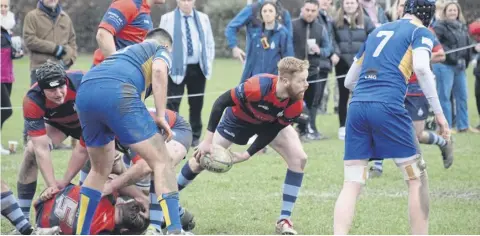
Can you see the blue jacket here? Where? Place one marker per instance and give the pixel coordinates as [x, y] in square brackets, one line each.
[260, 60]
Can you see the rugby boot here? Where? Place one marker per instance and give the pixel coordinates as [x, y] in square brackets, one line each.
[285, 227]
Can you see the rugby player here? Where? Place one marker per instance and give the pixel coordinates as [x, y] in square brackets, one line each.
[125, 23]
[113, 215]
[264, 105]
[417, 107]
[110, 105]
[50, 117]
[378, 125]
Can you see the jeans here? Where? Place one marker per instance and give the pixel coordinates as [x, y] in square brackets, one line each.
[452, 80]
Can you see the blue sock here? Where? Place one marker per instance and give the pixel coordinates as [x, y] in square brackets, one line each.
[434, 138]
[185, 177]
[89, 199]
[378, 165]
[291, 187]
[169, 204]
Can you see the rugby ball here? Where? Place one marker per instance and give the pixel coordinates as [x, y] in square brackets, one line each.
[219, 161]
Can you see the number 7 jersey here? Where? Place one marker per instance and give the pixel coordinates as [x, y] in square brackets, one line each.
[387, 63]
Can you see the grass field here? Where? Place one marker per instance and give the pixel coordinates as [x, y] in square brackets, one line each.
[247, 200]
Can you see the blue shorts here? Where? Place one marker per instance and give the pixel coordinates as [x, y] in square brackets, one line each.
[376, 130]
[235, 130]
[109, 108]
[417, 107]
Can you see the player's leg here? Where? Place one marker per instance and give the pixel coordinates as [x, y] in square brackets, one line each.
[394, 137]
[12, 211]
[288, 145]
[28, 174]
[358, 149]
[415, 175]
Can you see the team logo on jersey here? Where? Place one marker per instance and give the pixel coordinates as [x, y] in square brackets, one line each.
[420, 112]
[264, 107]
[280, 114]
[371, 75]
[427, 42]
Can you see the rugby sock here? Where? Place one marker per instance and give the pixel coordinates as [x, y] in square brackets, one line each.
[169, 204]
[378, 165]
[89, 199]
[25, 193]
[185, 177]
[291, 187]
[434, 138]
[156, 213]
[11, 210]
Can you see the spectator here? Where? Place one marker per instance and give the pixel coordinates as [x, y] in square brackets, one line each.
[351, 30]
[312, 43]
[452, 33]
[249, 17]
[8, 53]
[49, 35]
[192, 64]
[126, 22]
[474, 29]
[326, 64]
[7, 17]
[374, 11]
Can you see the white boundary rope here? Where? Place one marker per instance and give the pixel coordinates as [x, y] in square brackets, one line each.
[310, 82]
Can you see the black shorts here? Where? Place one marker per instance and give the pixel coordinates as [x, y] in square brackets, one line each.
[75, 133]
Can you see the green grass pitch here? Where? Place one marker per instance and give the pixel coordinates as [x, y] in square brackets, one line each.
[247, 200]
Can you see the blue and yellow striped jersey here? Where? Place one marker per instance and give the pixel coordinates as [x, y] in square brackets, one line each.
[132, 64]
[386, 59]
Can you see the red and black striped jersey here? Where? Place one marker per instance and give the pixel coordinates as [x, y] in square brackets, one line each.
[37, 108]
[256, 102]
[62, 211]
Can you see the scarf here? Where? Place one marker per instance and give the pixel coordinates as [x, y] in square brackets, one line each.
[178, 60]
[8, 21]
[53, 13]
[371, 9]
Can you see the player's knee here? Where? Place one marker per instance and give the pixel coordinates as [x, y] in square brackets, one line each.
[29, 150]
[298, 161]
[413, 168]
[356, 173]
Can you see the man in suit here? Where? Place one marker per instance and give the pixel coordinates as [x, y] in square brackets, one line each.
[194, 49]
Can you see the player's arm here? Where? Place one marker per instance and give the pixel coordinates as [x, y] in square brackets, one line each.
[438, 54]
[160, 67]
[35, 126]
[225, 100]
[132, 175]
[265, 138]
[75, 164]
[354, 72]
[118, 15]
[426, 78]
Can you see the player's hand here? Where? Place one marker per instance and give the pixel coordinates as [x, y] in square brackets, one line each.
[443, 125]
[239, 54]
[239, 156]
[201, 150]
[335, 59]
[49, 193]
[162, 123]
[145, 201]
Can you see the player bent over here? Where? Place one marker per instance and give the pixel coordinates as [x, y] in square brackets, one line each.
[138, 171]
[378, 125]
[110, 105]
[264, 105]
[417, 107]
[113, 215]
[50, 117]
[11, 210]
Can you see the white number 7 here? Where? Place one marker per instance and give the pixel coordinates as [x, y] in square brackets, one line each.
[388, 35]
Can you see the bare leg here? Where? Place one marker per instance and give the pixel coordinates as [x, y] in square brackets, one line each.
[347, 200]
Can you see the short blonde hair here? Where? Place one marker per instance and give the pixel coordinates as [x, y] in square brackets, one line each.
[288, 66]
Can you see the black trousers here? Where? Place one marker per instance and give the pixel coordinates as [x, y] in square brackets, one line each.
[477, 92]
[5, 102]
[194, 80]
[312, 98]
[344, 95]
